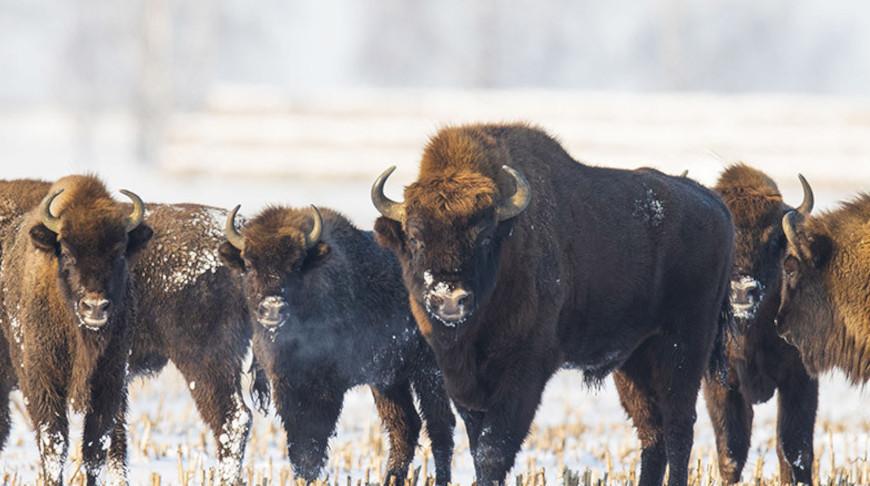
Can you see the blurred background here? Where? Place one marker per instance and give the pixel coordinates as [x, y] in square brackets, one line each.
[256, 102]
[289, 100]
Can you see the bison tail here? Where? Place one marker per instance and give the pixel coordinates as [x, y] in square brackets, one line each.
[724, 330]
[261, 392]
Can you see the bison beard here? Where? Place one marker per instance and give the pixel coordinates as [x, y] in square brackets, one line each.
[759, 361]
[603, 270]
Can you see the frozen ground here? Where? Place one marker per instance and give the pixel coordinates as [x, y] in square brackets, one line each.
[255, 147]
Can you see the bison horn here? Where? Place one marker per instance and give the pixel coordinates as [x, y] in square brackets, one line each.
[788, 229]
[514, 205]
[685, 173]
[386, 206]
[312, 238]
[45, 216]
[135, 219]
[807, 204]
[233, 236]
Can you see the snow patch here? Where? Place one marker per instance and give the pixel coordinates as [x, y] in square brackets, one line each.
[53, 449]
[649, 208]
[742, 311]
[233, 437]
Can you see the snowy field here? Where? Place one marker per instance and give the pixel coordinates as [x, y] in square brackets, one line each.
[256, 147]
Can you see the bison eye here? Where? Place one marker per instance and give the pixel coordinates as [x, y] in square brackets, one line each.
[486, 241]
[415, 244]
[67, 258]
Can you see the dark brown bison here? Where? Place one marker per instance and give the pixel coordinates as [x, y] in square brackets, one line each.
[825, 298]
[333, 315]
[520, 260]
[67, 313]
[191, 310]
[759, 361]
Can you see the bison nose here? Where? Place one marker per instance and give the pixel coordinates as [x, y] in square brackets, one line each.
[745, 295]
[94, 310]
[270, 312]
[450, 305]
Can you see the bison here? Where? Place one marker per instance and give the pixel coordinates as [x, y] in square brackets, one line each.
[824, 305]
[520, 260]
[67, 319]
[333, 314]
[759, 361]
[191, 310]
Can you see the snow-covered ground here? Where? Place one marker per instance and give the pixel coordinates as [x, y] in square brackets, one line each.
[254, 147]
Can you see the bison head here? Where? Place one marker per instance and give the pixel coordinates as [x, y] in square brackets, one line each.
[757, 209]
[275, 250]
[448, 235]
[802, 291]
[90, 240]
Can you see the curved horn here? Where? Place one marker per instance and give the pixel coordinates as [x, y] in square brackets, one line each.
[135, 218]
[312, 238]
[807, 204]
[788, 229]
[386, 206]
[233, 236]
[510, 207]
[45, 216]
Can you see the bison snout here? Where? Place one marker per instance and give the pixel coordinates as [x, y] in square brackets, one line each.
[746, 293]
[270, 312]
[450, 305]
[94, 310]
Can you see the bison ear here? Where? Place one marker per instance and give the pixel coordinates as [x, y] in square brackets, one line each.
[316, 254]
[231, 256]
[388, 233]
[44, 239]
[138, 237]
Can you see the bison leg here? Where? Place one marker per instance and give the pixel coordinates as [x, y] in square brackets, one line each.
[52, 441]
[435, 408]
[7, 383]
[116, 467]
[502, 431]
[638, 399]
[473, 421]
[309, 414]
[217, 390]
[731, 416]
[46, 405]
[108, 405]
[797, 400]
[397, 412]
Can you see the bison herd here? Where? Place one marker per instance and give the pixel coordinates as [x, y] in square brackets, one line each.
[506, 261]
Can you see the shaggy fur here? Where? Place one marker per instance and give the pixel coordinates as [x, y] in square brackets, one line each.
[57, 361]
[825, 307]
[191, 310]
[759, 361]
[605, 270]
[346, 323]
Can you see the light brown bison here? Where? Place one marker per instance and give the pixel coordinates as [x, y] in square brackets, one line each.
[825, 296]
[67, 313]
[332, 315]
[191, 310]
[519, 260]
[759, 361]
